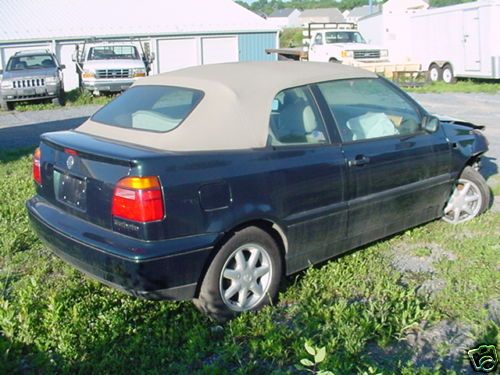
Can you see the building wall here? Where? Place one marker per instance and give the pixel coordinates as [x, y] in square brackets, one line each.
[252, 47]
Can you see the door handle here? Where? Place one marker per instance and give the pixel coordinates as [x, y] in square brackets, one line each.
[358, 161]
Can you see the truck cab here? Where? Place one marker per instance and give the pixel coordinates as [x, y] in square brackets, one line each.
[341, 43]
[111, 66]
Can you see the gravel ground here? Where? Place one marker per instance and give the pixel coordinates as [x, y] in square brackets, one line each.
[23, 129]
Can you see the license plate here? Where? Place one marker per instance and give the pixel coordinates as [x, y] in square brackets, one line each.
[70, 190]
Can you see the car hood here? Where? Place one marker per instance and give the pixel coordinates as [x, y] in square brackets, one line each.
[46, 72]
[113, 64]
[455, 121]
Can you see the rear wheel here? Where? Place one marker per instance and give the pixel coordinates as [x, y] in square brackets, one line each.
[434, 73]
[244, 275]
[448, 75]
[470, 197]
[334, 60]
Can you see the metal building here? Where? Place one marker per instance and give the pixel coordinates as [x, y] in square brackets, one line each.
[180, 33]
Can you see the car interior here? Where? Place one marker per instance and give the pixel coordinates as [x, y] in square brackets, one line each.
[293, 120]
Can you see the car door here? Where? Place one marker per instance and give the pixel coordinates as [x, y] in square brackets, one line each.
[318, 50]
[398, 175]
[308, 178]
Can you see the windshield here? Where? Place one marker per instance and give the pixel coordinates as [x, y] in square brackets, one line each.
[343, 37]
[113, 52]
[31, 62]
[153, 108]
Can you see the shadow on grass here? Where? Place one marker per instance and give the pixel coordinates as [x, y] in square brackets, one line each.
[15, 154]
[16, 358]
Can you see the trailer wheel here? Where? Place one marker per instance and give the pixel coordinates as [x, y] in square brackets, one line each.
[434, 73]
[448, 75]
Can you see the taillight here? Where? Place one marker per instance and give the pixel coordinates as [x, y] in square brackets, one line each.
[138, 199]
[37, 169]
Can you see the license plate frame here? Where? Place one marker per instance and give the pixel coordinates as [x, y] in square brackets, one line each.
[70, 190]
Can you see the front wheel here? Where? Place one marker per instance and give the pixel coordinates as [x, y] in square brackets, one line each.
[470, 197]
[6, 106]
[244, 275]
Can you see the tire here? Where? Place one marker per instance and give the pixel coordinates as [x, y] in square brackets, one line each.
[447, 74]
[470, 198]
[334, 60]
[434, 74]
[6, 106]
[240, 290]
[59, 100]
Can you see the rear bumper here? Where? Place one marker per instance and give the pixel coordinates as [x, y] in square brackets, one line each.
[167, 269]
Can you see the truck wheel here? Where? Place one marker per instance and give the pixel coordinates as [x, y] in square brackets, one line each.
[244, 275]
[334, 60]
[469, 198]
[434, 73]
[6, 106]
[448, 75]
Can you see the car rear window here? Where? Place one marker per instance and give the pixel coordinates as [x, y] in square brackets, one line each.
[150, 108]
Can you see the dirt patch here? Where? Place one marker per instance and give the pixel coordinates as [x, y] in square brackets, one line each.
[419, 258]
[443, 346]
[493, 307]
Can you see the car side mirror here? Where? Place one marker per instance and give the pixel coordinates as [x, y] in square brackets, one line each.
[62, 66]
[430, 124]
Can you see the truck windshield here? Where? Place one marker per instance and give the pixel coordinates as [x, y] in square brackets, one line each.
[150, 108]
[343, 37]
[31, 62]
[113, 52]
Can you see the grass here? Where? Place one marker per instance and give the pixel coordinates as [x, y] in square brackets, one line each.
[53, 319]
[463, 86]
[73, 98]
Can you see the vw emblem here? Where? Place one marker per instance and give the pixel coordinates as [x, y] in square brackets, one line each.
[70, 162]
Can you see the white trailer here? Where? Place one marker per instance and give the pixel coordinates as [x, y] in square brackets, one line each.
[458, 41]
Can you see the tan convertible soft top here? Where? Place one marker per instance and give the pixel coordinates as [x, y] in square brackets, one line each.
[234, 112]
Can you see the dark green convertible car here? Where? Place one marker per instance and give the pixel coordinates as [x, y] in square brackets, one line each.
[212, 183]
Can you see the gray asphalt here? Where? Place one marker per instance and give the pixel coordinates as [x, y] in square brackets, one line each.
[23, 129]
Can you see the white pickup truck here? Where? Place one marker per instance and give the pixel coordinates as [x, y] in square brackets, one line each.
[111, 66]
[343, 44]
[334, 42]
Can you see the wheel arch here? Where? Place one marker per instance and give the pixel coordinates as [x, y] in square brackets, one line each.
[439, 63]
[269, 226]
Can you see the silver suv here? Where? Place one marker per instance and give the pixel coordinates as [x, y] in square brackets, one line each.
[31, 75]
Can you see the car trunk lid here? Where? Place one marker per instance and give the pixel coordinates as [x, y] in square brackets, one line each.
[80, 172]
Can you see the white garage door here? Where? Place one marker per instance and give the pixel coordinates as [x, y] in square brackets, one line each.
[177, 53]
[64, 54]
[220, 50]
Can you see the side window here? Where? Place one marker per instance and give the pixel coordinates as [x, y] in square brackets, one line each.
[295, 119]
[318, 39]
[368, 108]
